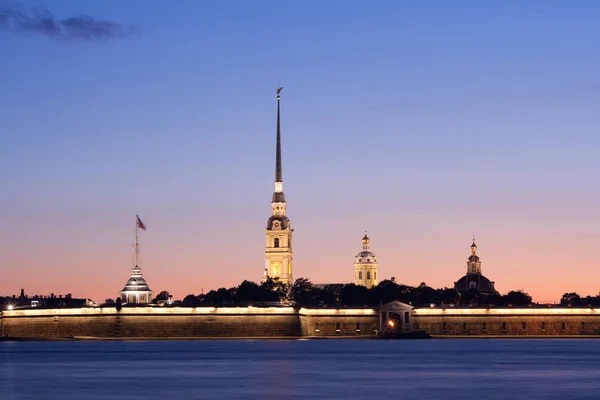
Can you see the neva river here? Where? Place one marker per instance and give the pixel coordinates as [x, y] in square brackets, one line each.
[301, 369]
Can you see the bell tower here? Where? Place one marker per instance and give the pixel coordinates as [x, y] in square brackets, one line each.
[474, 263]
[278, 248]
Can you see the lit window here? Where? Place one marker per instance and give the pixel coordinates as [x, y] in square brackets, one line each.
[337, 327]
[276, 269]
[317, 329]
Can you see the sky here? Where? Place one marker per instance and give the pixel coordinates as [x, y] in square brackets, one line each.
[421, 122]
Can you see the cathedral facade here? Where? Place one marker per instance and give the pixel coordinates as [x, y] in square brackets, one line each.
[278, 246]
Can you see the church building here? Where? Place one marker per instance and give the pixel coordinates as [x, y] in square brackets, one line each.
[365, 265]
[278, 248]
[474, 279]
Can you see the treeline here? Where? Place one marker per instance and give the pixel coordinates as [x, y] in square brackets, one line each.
[575, 300]
[304, 294]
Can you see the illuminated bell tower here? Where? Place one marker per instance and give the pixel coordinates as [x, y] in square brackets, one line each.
[474, 264]
[278, 248]
[365, 265]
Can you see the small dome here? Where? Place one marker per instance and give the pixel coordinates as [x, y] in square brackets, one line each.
[474, 281]
[473, 258]
[366, 257]
[278, 197]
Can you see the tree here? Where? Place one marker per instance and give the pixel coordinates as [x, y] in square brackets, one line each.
[571, 299]
[301, 292]
[191, 300]
[164, 295]
[221, 297]
[385, 292]
[248, 292]
[354, 295]
[119, 304]
[517, 298]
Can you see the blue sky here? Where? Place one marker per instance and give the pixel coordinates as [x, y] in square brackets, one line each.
[422, 122]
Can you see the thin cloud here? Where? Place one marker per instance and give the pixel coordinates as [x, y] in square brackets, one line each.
[14, 18]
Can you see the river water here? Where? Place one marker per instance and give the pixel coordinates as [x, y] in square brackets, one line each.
[301, 369]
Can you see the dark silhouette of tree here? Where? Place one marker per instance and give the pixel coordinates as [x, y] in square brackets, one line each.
[516, 298]
[448, 296]
[248, 292]
[353, 295]
[220, 297]
[424, 296]
[191, 300]
[119, 304]
[571, 299]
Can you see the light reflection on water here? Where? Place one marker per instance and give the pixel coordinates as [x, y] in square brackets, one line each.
[299, 369]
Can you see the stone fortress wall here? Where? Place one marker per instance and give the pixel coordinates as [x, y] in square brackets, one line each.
[287, 322]
[503, 322]
[187, 322]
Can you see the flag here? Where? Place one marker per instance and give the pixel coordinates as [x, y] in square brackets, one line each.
[140, 224]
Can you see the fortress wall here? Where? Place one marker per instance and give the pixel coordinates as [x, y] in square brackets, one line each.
[339, 322]
[554, 322]
[152, 322]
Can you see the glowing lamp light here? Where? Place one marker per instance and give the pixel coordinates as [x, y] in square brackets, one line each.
[391, 323]
[9, 307]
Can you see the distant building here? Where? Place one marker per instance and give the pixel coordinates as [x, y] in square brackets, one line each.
[365, 265]
[474, 279]
[136, 290]
[278, 248]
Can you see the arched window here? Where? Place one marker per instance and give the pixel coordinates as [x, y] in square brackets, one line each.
[368, 274]
[276, 242]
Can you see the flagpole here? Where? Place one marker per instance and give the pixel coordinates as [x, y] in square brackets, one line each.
[137, 242]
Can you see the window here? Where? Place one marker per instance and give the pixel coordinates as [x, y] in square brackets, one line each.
[276, 269]
[406, 317]
[317, 327]
[375, 275]
[368, 274]
[359, 274]
[563, 326]
[443, 327]
[583, 326]
[464, 326]
[543, 326]
[524, 326]
[504, 326]
[484, 327]
[276, 242]
[358, 327]
[337, 327]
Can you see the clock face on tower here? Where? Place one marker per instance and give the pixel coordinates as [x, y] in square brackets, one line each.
[276, 224]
